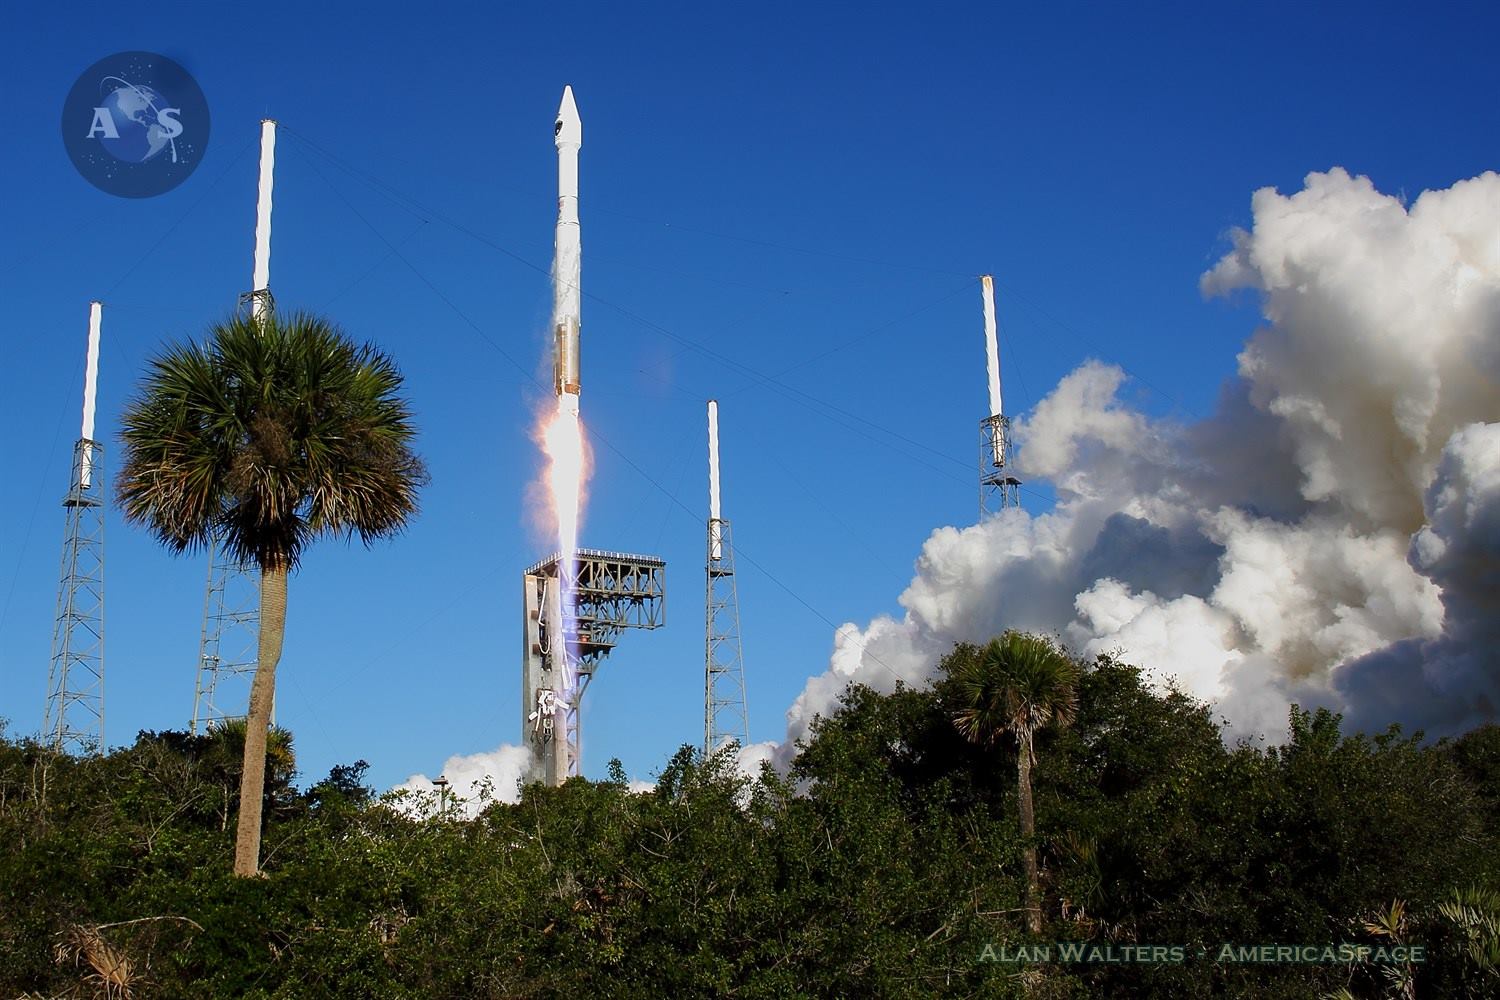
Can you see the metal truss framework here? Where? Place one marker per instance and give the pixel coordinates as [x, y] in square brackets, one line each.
[998, 489]
[612, 592]
[724, 715]
[74, 718]
[229, 648]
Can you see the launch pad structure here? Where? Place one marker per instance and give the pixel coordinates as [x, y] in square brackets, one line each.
[562, 648]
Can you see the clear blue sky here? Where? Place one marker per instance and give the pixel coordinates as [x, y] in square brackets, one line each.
[777, 190]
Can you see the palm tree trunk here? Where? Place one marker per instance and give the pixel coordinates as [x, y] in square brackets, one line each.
[258, 721]
[1028, 834]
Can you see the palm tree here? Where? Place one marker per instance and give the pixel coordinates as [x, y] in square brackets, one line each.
[271, 434]
[223, 761]
[1017, 684]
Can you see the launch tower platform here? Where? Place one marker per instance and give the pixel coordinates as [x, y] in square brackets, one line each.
[612, 592]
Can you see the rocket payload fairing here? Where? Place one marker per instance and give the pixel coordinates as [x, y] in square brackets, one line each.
[567, 255]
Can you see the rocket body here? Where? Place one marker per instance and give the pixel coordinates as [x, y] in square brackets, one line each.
[567, 255]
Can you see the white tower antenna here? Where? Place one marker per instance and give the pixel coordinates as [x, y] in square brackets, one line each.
[74, 718]
[715, 537]
[998, 489]
[991, 344]
[90, 388]
[725, 717]
[260, 287]
[229, 643]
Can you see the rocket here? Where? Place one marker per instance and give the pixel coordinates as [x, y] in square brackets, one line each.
[566, 255]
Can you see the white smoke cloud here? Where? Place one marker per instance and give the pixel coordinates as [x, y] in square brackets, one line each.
[1450, 681]
[474, 780]
[1330, 535]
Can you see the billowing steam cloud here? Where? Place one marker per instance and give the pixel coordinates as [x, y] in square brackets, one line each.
[1331, 535]
[474, 780]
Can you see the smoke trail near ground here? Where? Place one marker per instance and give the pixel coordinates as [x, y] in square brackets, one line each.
[1330, 535]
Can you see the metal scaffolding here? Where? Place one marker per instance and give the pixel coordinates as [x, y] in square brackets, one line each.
[998, 489]
[74, 719]
[229, 643]
[561, 649]
[725, 719]
[229, 647]
[724, 716]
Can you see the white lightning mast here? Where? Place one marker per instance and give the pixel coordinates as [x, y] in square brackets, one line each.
[229, 642]
[998, 489]
[90, 389]
[725, 718]
[74, 718]
[260, 288]
[715, 541]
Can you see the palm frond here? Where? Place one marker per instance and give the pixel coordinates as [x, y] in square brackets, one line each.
[1016, 683]
[270, 434]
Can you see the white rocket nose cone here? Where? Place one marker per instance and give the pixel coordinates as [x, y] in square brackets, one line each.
[569, 128]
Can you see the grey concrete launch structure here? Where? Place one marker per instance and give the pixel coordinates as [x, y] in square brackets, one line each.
[612, 592]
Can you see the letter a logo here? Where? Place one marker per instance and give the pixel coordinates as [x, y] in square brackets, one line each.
[104, 123]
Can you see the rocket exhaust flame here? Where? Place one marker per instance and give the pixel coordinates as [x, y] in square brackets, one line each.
[566, 475]
[567, 470]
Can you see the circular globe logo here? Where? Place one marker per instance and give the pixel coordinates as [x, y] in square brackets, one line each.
[135, 124]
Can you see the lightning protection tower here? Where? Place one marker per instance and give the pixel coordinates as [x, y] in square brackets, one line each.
[998, 488]
[74, 718]
[612, 592]
[724, 716]
[228, 648]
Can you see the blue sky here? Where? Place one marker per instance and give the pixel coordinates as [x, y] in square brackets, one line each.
[782, 207]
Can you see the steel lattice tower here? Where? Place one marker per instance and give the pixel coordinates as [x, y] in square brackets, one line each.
[725, 718]
[228, 649]
[998, 488]
[74, 717]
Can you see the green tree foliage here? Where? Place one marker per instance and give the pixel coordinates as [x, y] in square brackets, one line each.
[273, 433]
[884, 864]
[1016, 684]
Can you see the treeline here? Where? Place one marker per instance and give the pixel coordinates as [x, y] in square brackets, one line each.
[888, 863]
